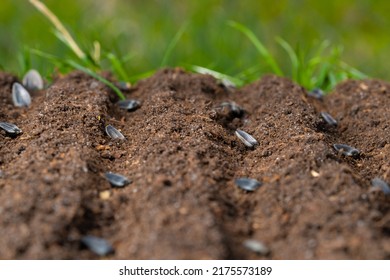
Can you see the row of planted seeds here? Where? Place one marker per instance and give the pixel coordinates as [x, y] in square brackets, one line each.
[33, 81]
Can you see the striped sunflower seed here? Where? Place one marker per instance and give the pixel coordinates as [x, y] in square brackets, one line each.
[329, 119]
[20, 96]
[346, 150]
[10, 128]
[246, 138]
[33, 80]
[117, 180]
[129, 104]
[247, 184]
[97, 245]
[114, 133]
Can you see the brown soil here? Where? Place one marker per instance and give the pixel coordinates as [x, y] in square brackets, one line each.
[183, 157]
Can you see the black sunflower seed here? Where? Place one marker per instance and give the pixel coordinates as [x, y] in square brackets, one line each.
[329, 119]
[316, 93]
[114, 133]
[346, 150]
[379, 184]
[97, 245]
[10, 128]
[33, 80]
[256, 246]
[234, 110]
[117, 180]
[246, 138]
[247, 184]
[129, 104]
[20, 96]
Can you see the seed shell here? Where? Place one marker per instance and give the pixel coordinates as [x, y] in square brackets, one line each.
[316, 93]
[114, 133]
[129, 104]
[346, 150]
[97, 245]
[117, 180]
[234, 110]
[329, 119]
[256, 246]
[379, 184]
[248, 184]
[33, 80]
[20, 96]
[246, 138]
[10, 128]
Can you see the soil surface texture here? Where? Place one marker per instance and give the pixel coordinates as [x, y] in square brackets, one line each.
[183, 157]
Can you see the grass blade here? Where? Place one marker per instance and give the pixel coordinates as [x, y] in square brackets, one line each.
[217, 75]
[259, 46]
[172, 44]
[293, 57]
[117, 66]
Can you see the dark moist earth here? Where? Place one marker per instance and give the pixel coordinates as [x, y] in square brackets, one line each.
[182, 154]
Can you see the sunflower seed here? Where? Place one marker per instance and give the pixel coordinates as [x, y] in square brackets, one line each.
[10, 128]
[346, 150]
[379, 184]
[329, 119]
[33, 80]
[247, 184]
[235, 111]
[316, 93]
[129, 104]
[97, 245]
[256, 246]
[20, 96]
[122, 85]
[246, 138]
[114, 133]
[117, 180]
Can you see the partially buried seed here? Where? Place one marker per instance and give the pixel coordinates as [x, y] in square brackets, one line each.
[256, 246]
[20, 96]
[329, 119]
[246, 138]
[33, 80]
[117, 180]
[379, 184]
[235, 111]
[97, 245]
[248, 184]
[10, 128]
[346, 150]
[129, 104]
[114, 133]
[316, 93]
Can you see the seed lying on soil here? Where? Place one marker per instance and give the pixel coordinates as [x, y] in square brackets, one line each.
[114, 133]
[379, 184]
[247, 184]
[256, 246]
[97, 245]
[129, 104]
[346, 150]
[33, 80]
[20, 96]
[316, 93]
[10, 128]
[329, 119]
[117, 180]
[235, 111]
[246, 138]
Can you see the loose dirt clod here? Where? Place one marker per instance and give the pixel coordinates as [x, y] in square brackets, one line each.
[97, 245]
[247, 184]
[10, 128]
[256, 246]
[114, 133]
[347, 150]
[33, 80]
[20, 96]
[379, 184]
[246, 138]
[117, 180]
[129, 104]
[329, 119]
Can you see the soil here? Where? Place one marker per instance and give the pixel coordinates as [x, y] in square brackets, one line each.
[182, 155]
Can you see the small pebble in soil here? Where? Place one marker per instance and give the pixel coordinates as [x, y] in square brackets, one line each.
[246, 138]
[129, 104]
[10, 128]
[248, 184]
[33, 80]
[316, 93]
[256, 246]
[235, 111]
[20, 96]
[117, 180]
[379, 184]
[329, 119]
[114, 133]
[346, 150]
[97, 245]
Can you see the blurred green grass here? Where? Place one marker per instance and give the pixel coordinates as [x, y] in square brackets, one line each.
[143, 31]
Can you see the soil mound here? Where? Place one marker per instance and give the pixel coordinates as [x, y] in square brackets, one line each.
[183, 157]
